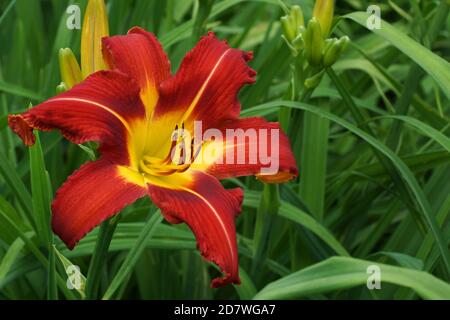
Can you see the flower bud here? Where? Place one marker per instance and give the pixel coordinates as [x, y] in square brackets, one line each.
[292, 22]
[288, 31]
[334, 50]
[69, 68]
[323, 12]
[95, 27]
[297, 17]
[314, 43]
[299, 42]
[313, 82]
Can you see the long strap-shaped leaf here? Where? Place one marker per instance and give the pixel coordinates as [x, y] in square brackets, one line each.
[183, 31]
[434, 65]
[133, 254]
[290, 212]
[407, 175]
[342, 272]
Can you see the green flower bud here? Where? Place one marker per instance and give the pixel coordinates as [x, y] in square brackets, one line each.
[69, 67]
[329, 43]
[297, 17]
[314, 43]
[292, 22]
[288, 31]
[334, 51]
[298, 43]
[313, 82]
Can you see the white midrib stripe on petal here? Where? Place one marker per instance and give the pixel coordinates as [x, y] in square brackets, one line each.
[203, 87]
[230, 245]
[115, 114]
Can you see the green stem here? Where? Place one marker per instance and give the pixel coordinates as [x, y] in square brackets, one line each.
[52, 291]
[98, 259]
[265, 216]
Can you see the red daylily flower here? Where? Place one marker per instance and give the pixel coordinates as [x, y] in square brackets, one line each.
[132, 110]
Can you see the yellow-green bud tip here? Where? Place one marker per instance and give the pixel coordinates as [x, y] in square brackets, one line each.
[292, 23]
[69, 68]
[95, 27]
[314, 42]
[323, 12]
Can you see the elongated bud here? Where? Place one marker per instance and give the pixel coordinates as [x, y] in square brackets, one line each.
[323, 12]
[95, 27]
[314, 81]
[297, 17]
[329, 43]
[334, 50]
[288, 31]
[69, 68]
[314, 43]
[292, 22]
[298, 41]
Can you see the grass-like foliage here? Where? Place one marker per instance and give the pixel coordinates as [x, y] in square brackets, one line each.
[371, 141]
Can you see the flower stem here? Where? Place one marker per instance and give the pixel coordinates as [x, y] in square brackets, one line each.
[265, 217]
[104, 238]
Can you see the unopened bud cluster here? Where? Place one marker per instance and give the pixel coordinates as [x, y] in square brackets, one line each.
[312, 40]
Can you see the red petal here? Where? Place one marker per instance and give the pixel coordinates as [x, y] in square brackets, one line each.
[140, 55]
[209, 210]
[100, 108]
[207, 83]
[91, 195]
[260, 134]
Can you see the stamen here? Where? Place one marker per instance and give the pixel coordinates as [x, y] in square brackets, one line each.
[163, 167]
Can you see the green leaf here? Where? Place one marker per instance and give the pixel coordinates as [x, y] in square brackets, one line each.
[313, 166]
[296, 215]
[246, 290]
[339, 273]
[7, 10]
[66, 263]
[9, 174]
[426, 129]
[433, 64]
[26, 238]
[52, 285]
[99, 255]
[266, 214]
[406, 173]
[11, 255]
[184, 30]
[19, 91]
[134, 254]
[41, 192]
[89, 151]
[8, 212]
[402, 259]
